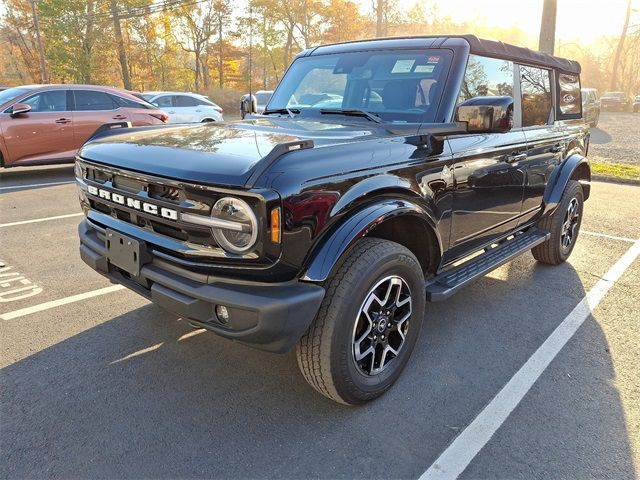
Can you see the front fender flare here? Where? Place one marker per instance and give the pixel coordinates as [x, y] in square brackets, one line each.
[325, 256]
[561, 177]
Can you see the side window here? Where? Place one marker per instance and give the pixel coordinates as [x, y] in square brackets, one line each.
[90, 100]
[569, 103]
[486, 77]
[185, 101]
[535, 85]
[52, 101]
[164, 102]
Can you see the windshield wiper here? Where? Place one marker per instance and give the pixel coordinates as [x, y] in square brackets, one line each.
[282, 111]
[352, 111]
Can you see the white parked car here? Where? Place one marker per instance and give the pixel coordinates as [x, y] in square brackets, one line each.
[185, 107]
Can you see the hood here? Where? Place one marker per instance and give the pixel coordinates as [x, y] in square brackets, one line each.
[215, 153]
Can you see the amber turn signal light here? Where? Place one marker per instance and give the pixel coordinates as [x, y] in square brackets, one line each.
[275, 225]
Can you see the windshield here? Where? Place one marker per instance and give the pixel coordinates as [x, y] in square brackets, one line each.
[396, 86]
[145, 96]
[11, 93]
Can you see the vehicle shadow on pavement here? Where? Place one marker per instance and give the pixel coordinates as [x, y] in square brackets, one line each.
[35, 175]
[599, 136]
[129, 398]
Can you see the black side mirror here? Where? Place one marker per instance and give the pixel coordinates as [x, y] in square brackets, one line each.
[486, 114]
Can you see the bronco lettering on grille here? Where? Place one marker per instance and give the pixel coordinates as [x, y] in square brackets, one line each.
[134, 203]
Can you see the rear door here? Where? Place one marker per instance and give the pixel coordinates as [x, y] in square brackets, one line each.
[91, 110]
[185, 108]
[488, 175]
[546, 139]
[43, 134]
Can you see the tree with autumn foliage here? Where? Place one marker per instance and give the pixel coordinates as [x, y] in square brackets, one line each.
[218, 48]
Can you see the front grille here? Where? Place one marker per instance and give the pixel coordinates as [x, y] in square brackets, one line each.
[135, 186]
[183, 243]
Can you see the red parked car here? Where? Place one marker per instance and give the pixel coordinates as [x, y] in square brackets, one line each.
[49, 123]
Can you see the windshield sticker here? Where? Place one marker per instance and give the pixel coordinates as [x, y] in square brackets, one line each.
[424, 68]
[433, 59]
[403, 66]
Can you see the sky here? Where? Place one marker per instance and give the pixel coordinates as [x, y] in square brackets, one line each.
[577, 20]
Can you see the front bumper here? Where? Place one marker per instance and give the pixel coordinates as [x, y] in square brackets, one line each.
[271, 317]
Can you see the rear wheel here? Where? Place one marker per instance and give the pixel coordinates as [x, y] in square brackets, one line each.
[564, 226]
[367, 325]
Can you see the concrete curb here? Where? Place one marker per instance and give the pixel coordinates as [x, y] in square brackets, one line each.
[608, 179]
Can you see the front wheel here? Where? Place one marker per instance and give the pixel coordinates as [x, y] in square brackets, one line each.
[367, 325]
[564, 226]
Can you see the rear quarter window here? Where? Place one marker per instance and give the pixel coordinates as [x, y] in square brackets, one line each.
[127, 102]
[569, 104]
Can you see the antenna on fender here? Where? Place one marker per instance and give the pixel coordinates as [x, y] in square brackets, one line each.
[251, 102]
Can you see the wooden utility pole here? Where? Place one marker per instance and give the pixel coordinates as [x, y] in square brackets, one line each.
[619, 49]
[548, 26]
[122, 54]
[44, 77]
[380, 14]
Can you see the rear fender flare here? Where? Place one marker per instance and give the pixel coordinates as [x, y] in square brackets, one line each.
[326, 254]
[575, 163]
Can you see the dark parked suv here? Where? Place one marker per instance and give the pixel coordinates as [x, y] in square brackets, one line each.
[383, 174]
[615, 101]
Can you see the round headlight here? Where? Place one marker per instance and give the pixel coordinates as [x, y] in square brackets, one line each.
[237, 231]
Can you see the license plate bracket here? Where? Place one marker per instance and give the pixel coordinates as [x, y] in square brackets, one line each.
[125, 252]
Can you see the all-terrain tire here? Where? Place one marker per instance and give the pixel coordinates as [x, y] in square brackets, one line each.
[326, 352]
[553, 252]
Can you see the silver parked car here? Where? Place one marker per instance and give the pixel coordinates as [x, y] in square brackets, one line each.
[185, 107]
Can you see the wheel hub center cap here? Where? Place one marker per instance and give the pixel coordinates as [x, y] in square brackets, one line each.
[382, 325]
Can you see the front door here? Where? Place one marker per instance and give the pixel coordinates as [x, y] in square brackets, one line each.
[488, 187]
[43, 134]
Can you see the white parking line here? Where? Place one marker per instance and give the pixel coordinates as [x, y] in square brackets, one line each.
[15, 187]
[56, 303]
[604, 235]
[453, 461]
[36, 220]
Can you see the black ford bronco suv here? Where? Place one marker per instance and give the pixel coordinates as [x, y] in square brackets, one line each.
[382, 175]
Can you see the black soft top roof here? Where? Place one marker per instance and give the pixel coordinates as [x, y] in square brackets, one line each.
[489, 48]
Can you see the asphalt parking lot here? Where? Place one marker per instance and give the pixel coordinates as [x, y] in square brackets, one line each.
[105, 385]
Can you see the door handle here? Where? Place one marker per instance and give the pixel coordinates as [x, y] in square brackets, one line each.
[63, 120]
[119, 117]
[171, 111]
[515, 157]
[557, 148]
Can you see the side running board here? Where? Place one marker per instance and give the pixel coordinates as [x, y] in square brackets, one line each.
[447, 283]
